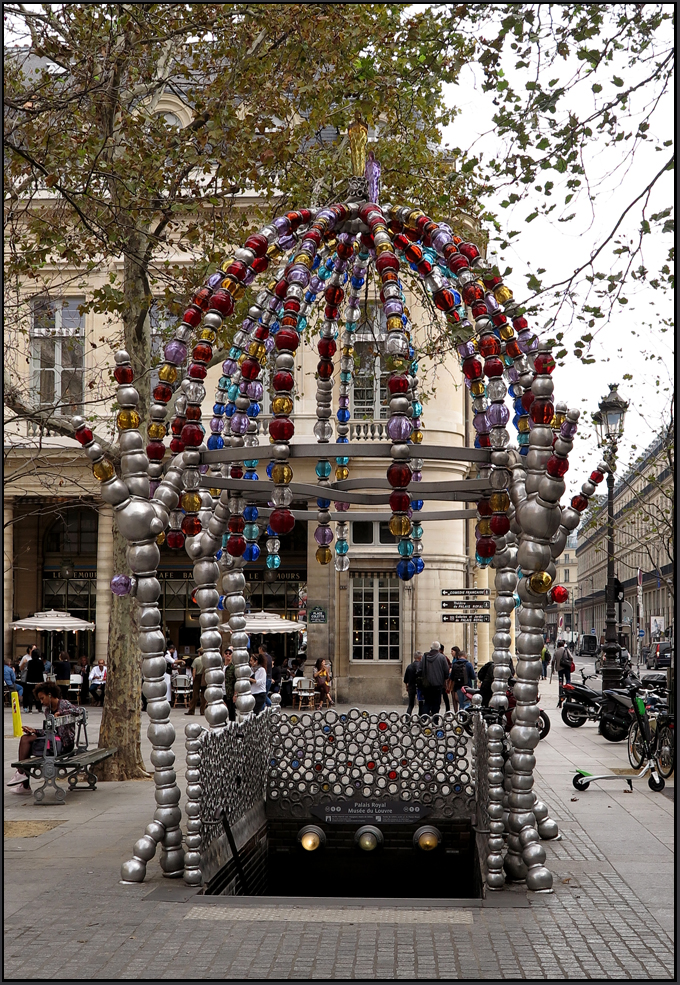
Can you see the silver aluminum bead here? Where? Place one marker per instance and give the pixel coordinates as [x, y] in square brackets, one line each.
[115, 492]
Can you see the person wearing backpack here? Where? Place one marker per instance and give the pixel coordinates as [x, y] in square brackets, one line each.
[434, 672]
[462, 675]
[562, 664]
[545, 661]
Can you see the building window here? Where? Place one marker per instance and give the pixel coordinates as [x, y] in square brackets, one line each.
[74, 533]
[566, 559]
[566, 574]
[369, 392]
[364, 533]
[57, 354]
[375, 618]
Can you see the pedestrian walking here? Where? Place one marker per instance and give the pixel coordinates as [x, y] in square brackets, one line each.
[198, 687]
[462, 675]
[229, 683]
[561, 662]
[411, 675]
[258, 680]
[34, 676]
[262, 650]
[434, 673]
[545, 661]
[485, 679]
[23, 663]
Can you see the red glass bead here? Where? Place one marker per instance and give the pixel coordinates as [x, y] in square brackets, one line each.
[155, 451]
[484, 440]
[472, 292]
[528, 399]
[367, 241]
[499, 524]
[325, 369]
[124, 374]
[499, 319]
[557, 467]
[520, 323]
[193, 413]
[444, 299]
[237, 270]
[331, 312]
[370, 765]
[236, 472]
[281, 429]
[479, 309]
[261, 333]
[559, 594]
[389, 277]
[250, 369]
[344, 250]
[289, 321]
[382, 726]
[486, 547]
[192, 435]
[201, 298]
[176, 446]
[236, 524]
[281, 521]
[400, 502]
[197, 371]
[544, 363]
[175, 540]
[327, 348]
[191, 526]
[258, 244]
[177, 425]
[286, 339]
[162, 393]
[386, 261]
[489, 346]
[469, 250]
[192, 316]
[294, 218]
[365, 210]
[281, 288]
[306, 215]
[413, 253]
[334, 295]
[484, 507]
[472, 368]
[579, 503]
[454, 259]
[596, 476]
[260, 264]
[283, 381]
[512, 348]
[392, 775]
[223, 302]
[400, 241]
[236, 546]
[492, 282]
[412, 235]
[84, 435]
[202, 352]
[398, 384]
[494, 367]
[314, 235]
[424, 268]
[542, 411]
[399, 475]
[291, 304]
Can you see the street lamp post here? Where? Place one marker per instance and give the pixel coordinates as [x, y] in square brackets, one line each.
[608, 422]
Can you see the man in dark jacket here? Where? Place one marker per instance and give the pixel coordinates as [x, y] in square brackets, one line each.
[462, 675]
[435, 670]
[411, 683]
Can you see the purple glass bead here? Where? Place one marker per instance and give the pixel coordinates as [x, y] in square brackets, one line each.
[243, 386]
[568, 430]
[498, 415]
[175, 352]
[393, 308]
[342, 507]
[416, 422]
[269, 344]
[249, 276]
[216, 425]
[229, 367]
[513, 374]
[465, 350]
[480, 423]
[327, 214]
[274, 304]
[299, 275]
[239, 423]
[491, 303]
[153, 486]
[527, 341]
[340, 266]
[440, 239]
[315, 284]
[215, 279]
[446, 228]
[343, 402]
[203, 469]
[323, 536]
[285, 242]
[344, 238]
[467, 382]
[409, 513]
[120, 585]
[247, 325]
[399, 428]
[417, 477]
[255, 390]
[281, 225]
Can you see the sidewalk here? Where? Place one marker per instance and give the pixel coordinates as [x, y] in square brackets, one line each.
[611, 915]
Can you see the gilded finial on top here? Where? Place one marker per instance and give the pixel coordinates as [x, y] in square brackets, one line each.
[358, 139]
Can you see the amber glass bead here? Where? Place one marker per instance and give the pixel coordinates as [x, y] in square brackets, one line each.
[156, 431]
[506, 332]
[400, 526]
[477, 389]
[160, 540]
[127, 419]
[540, 582]
[503, 294]
[282, 405]
[499, 502]
[394, 324]
[523, 425]
[512, 348]
[324, 555]
[167, 373]
[341, 472]
[484, 527]
[191, 502]
[282, 474]
[103, 470]
[207, 335]
[417, 437]
[304, 259]
[382, 248]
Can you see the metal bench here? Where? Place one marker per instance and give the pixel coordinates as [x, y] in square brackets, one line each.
[72, 766]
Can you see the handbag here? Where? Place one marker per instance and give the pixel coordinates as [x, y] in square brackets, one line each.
[573, 667]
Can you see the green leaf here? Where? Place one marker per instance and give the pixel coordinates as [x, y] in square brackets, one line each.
[530, 218]
[617, 81]
[596, 87]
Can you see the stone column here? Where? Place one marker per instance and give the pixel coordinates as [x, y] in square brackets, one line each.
[8, 577]
[483, 650]
[105, 573]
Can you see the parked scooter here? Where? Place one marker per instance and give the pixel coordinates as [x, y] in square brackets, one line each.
[581, 703]
[613, 708]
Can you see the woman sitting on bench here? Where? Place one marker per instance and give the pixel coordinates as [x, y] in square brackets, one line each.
[32, 742]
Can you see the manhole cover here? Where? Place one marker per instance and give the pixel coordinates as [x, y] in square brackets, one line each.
[28, 829]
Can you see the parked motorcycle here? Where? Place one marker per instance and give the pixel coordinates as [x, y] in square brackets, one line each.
[612, 709]
[490, 715]
[581, 703]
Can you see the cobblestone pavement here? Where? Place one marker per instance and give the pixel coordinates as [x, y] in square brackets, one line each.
[610, 917]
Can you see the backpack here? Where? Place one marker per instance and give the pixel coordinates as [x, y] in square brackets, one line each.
[565, 660]
[459, 674]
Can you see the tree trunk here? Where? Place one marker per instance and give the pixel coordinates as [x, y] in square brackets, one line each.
[122, 713]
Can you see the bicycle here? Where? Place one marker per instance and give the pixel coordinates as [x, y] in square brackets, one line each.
[661, 738]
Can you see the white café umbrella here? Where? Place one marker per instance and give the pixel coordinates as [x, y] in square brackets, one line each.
[52, 621]
[270, 622]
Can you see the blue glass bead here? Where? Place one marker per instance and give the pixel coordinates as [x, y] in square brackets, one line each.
[323, 504]
[405, 548]
[302, 323]
[309, 297]
[218, 554]
[323, 470]
[524, 449]
[330, 262]
[343, 415]
[323, 273]
[477, 443]
[270, 532]
[251, 531]
[406, 569]
[351, 326]
[274, 327]
[251, 475]
[273, 562]
[404, 320]
[253, 410]
[364, 255]
[342, 441]
[520, 574]
[251, 463]
[225, 538]
[221, 601]
[417, 505]
[511, 389]
[251, 553]
[417, 409]
[317, 261]
[343, 460]
[230, 410]
[232, 392]
[515, 421]
[457, 299]
[224, 382]
[341, 547]
[414, 267]
[517, 599]
[235, 352]
[270, 468]
[411, 352]
[250, 514]
[218, 410]
[345, 377]
[414, 368]
[523, 440]
[417, 531]
[215, 442]
[508, 360]
[419, 563]
[357, 282]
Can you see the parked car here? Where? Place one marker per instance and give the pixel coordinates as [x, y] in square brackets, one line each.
[624, 659]
[588, 645]
[659, 655]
